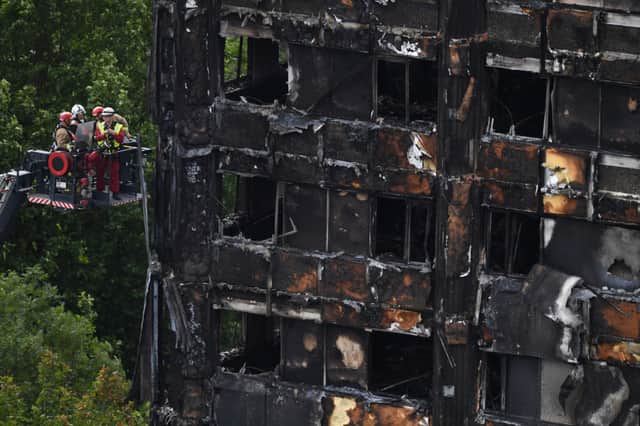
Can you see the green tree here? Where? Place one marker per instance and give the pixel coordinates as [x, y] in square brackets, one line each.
[53, 369]
[55, 54]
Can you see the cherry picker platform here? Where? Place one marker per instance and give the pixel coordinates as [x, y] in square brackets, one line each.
[63, 180]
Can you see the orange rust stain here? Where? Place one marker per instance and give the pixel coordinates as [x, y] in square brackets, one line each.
[350, 290]
[531, 13]
[390, 145]
[560, 204]
[455, 62]
[623, 326]
[404, 320]
[348, 3]
[407, 280]
[461, 191]
[415, 184]
[496, 192]
[258, 276]
[303, 282]
[570, 168]
[626, 352]
[463, 109]
[383, 414]
[632, 104]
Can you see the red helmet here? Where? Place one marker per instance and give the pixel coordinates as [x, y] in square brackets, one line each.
[97, 111]
[65, 116]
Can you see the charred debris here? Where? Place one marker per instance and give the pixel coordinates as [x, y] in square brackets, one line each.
[433, 217]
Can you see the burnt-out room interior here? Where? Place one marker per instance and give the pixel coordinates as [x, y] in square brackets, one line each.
[421, 212]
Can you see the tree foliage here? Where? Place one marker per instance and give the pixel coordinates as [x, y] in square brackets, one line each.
[53, 370]
[55, 54]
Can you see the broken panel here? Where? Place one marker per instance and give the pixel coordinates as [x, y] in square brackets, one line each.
[604, 256]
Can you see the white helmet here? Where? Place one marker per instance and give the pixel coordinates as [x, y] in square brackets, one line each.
[76, 109]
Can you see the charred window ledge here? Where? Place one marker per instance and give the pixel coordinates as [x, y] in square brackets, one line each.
[247, 400]
[326, 310]
[396, 31]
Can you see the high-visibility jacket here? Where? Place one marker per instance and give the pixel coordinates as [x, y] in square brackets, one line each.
[113, 141]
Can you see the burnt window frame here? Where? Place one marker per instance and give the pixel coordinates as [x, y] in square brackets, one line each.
[504, 411]
[548, 127]
[488, 223]
[429, 230]
[240, 352]
[243, 81]
[226, 211]
[407, 64]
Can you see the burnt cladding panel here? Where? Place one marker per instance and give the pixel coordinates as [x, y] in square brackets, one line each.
[621, 119]
[331, 82]
[295, 273]
[305, 208]
[347, 359]
[303, 344]
[239, 404]
[349, 223]
[576, 112]
[422, 14]
[604, 256]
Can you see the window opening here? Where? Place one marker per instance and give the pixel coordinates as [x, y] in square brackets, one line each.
[249, 343]
[512, 385]
[407, 91]
[255, 70]
[401, 365]
[405, 230]
[390, 228]
[248, 205]
[509, 113]
[513, 242]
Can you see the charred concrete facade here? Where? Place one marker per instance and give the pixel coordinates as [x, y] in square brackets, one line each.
[435, 214]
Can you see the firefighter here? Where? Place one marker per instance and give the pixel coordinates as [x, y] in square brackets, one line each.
[78, 113]
[96, 112]
[63, 135]
[109, 136]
